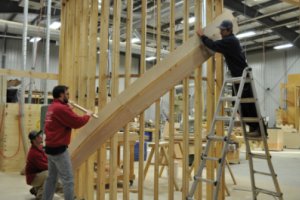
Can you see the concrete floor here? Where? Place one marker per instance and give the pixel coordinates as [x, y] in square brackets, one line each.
[286, 164]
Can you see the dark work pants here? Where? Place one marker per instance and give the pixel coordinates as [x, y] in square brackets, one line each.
[248, 109]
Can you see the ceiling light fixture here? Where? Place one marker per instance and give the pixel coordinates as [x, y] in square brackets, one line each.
[150, 58]
[284, 46]
[245, 34]
[55, 25]
[35, 39]
[135, 40]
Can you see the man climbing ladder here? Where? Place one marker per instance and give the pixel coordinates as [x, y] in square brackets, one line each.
[244, 95]
[235, 59]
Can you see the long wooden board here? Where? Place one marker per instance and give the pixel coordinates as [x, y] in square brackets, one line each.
[142, 93]
[29, 74]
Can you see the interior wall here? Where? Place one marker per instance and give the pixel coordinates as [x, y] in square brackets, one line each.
[270, 69]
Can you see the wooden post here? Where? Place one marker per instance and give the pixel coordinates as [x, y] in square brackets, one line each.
[102, 95]
[113, 167]
[142, 115]
[210, 101]
[185, 160]
[198, 105]
[81, 83]
[128, 62]
[171, 109]
[157, 104]
[219, 82]
[91, 82]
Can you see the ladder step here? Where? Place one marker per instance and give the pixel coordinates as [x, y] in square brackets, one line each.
[250, 119]
[237, 80]
[248, 100]
[254, 138]
[221, 118]
[233, 80]
[216, 137]
[259, 156]
[210, 158]
[234, 98]
[275, 194]
[263, 173]
[205, 180]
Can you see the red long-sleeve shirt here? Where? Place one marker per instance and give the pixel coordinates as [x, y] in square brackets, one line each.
[60, 119]
[36, 162]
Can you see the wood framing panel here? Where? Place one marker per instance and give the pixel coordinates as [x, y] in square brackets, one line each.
[143, 92]
[12, 155]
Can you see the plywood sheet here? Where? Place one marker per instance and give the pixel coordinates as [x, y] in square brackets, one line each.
[14, 160]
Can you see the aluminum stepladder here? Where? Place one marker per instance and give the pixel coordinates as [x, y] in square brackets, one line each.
[212, 138]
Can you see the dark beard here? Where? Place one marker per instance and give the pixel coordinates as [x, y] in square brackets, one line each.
[66, 100]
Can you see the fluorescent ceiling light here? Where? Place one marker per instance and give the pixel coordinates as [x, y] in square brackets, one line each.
[150, 58]
[191, 20]
[135, 40]
[35, 39]
[283, 46]
[55, 25]
[245, 34]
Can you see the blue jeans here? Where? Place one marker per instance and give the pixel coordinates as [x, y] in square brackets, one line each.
[59, 166]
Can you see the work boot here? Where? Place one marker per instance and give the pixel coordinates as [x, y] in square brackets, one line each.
[32, 191]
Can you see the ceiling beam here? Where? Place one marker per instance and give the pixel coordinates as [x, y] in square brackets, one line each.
[13, 7]
[284, 22]
[284, 32]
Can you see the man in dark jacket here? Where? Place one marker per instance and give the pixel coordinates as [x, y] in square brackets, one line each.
[235, 59]
[60, 119]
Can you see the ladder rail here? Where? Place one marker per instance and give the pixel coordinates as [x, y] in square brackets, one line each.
[231, 124]
[212, 138]
[266, 148]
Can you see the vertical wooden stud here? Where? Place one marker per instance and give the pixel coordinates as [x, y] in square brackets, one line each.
[219, 82]
[171, 109]
[142, 116]
[128, 62]
[198, 105]
[157, 103]
[185, 160]
[115, 90]
[102, 96]
[210, 101]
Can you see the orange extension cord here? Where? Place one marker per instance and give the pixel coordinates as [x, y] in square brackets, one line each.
[19, 138]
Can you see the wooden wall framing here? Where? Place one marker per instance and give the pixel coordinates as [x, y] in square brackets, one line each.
[138, 96]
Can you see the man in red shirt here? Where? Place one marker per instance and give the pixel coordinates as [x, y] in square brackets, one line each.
[60, 119]
[36, 169]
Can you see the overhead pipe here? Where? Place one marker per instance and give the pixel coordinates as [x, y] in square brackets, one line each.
[47, 56]
[22, 89]
[36, 31]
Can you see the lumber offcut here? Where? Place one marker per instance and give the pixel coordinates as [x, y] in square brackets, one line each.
[142, 93]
